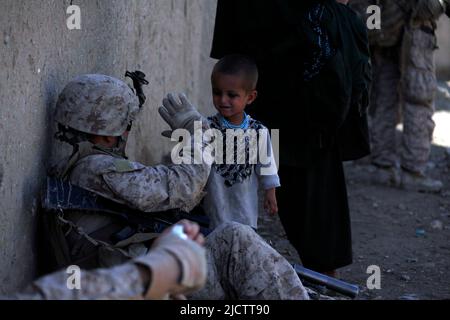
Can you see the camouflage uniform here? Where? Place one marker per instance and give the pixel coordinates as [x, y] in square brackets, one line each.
[404, 76]
[175, 265]
[240, 266]
[240, 263]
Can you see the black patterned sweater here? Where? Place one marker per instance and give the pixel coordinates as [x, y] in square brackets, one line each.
[232, 188]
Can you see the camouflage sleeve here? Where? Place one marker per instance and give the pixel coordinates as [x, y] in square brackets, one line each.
[161, 187]
[118, 283]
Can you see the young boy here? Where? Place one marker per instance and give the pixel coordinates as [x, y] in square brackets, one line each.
[232, 188]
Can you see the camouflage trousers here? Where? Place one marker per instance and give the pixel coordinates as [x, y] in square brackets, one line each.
[241, 265]
[403, 90]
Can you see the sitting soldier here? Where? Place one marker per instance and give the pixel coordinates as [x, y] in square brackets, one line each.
[156, 275]
[95, 113]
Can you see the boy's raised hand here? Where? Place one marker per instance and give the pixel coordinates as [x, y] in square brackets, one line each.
[178, 113]
[270, 202]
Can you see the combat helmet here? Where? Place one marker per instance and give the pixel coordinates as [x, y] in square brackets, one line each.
[97, 104]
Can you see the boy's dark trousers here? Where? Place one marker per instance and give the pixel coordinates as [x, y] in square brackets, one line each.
[314, 211]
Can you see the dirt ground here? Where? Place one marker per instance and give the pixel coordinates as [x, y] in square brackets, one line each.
[406, 234]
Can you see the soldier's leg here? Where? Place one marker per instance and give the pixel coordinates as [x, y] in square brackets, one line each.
[384, 107]
[419, 87]
[241, 265]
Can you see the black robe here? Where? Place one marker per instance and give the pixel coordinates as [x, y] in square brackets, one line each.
[313, 203]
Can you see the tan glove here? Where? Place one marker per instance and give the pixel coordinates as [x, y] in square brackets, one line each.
[179, 113]
[178, 266]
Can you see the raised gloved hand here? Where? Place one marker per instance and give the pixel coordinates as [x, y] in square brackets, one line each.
[177, 264]
[178, 114]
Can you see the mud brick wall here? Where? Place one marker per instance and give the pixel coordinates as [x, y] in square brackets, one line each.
[169, 40]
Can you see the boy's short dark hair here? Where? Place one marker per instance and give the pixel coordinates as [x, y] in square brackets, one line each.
[238, 64]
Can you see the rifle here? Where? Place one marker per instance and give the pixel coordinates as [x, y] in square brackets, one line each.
[60, 195]
[345, 288]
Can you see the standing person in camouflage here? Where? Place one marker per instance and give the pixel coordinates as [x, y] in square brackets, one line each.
[174, 266]
[404, 87]
[94, 113]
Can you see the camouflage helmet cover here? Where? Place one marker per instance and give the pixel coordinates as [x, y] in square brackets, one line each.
[97, 104]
